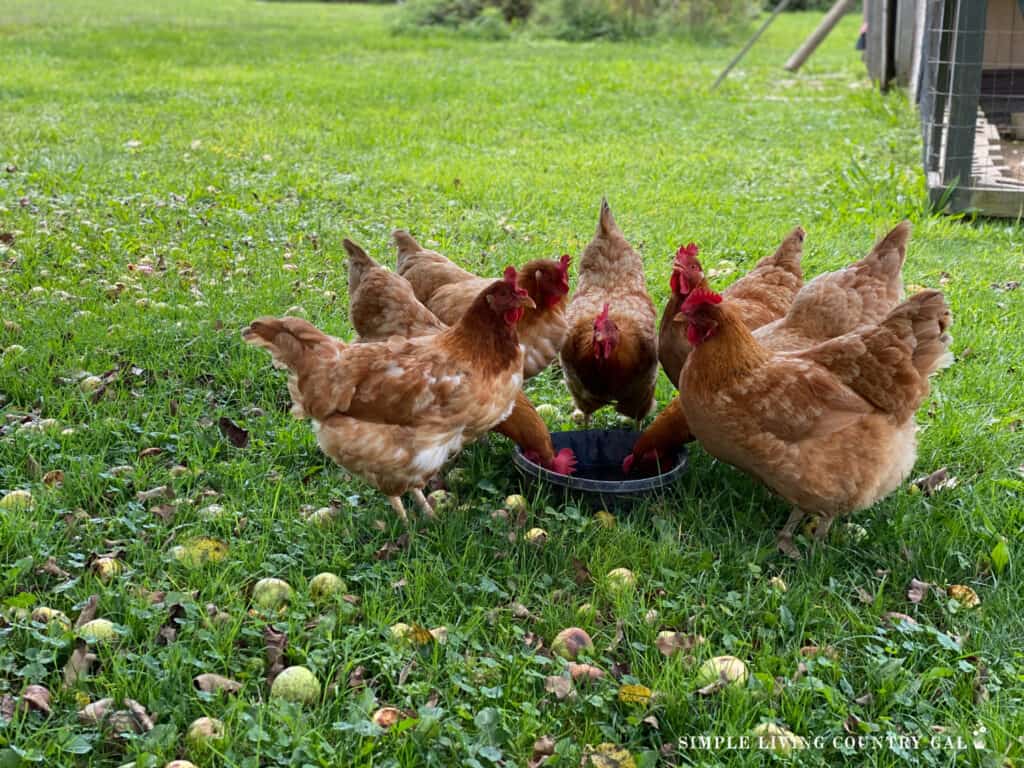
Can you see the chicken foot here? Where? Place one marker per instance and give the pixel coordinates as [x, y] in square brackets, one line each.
[784, 541]
[423, 504]
[396, 504]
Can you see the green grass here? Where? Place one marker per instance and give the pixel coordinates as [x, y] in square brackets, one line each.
[267, 132]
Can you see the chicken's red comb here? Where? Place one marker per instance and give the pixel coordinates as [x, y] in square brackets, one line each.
[603, 317]
[687, 254]
[699, 298]
[564, 263]
[510, 274]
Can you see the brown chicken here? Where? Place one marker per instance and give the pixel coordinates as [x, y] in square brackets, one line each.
[832, 304]
[447, 290]
[394, 412]
[610, 355]
[382, 305]
[830, 428]
[762, 295]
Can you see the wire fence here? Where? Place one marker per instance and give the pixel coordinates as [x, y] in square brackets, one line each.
[972, 93]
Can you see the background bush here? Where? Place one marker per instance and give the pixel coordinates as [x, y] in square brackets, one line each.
[584, 19]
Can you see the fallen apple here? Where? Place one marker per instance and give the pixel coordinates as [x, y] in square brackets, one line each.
[98, 631]
[44, 615]
[18, 499]
[90, 384]
[326, 585]
[621, 580]
[725, 669]
[385, 717]
[536, 536]
[269, 594]
[548, 412]
[778, 739]
[107, 568]
[296, 684]
[571, 642]
[199, 552]
[205, 733]
[517, 505]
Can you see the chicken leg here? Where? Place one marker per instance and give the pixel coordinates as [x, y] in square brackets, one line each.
[784, 541]
[396, 504]
[423, 504]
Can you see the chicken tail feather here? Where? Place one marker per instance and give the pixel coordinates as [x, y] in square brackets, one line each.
[293, 344]
[407, 245]
[359, 263]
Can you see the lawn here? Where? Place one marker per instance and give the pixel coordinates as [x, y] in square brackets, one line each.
[169, 173]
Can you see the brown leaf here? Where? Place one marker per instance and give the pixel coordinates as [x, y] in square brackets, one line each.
[828, 651]
[896, 617]
[51, 568]
[581, 573]
[169, 631]
[357, 678]
[275, 643]
[148, 453]
[37, 697]
[392, 548]
[652, 721]
[78, 664]
[980, 684]
[620, 669]
[585, 672]
[141, 720]
[7, 238]
[160, 492]
[237, 436]
[533, 641]
[865, 700]
[864, 596]
[88, 612]
[939, 480]
[671, 644]
[543, 748]
[32, 467]
[54, 478]
[95, 712]
[521, 612]
[400, 584]
[164, 511]
[407, 669]
[559, 685]
[211, 683]
[917, 591]
[712, 688]
[6, 708]
[620, 635]
[850, 724]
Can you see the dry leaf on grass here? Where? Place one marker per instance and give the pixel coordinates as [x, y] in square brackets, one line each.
[917, 591]
[79, 663]
[939, 480]
[211, 683]
[88, 612]
[671, 643]
[237, 436]
[37, 697]
[275, 644]
[559, 685]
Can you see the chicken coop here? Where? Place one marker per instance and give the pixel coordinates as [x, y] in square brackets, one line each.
[963, 63]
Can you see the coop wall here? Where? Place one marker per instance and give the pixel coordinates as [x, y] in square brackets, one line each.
[1004, 35]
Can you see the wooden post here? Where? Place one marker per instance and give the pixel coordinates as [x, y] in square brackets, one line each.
[835, 13]
[750, 43]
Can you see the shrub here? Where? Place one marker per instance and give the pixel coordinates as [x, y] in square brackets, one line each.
[584, 19]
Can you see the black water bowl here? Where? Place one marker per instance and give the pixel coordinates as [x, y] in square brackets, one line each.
[599, 478]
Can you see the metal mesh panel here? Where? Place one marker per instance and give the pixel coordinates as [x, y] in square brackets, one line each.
[972, 95]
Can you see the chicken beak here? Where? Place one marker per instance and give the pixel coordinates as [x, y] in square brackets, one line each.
[526, 301]
[679, 317]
